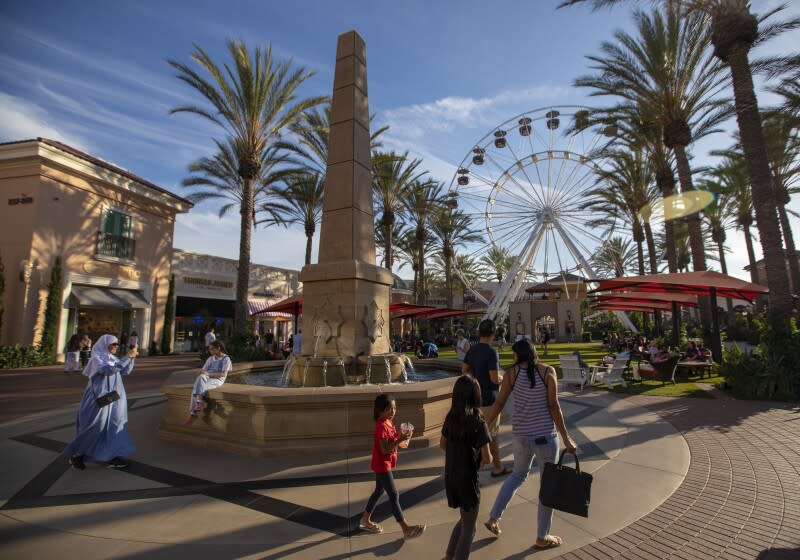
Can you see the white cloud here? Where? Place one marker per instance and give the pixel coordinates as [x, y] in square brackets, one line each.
[21, 119]
[202, 231]
[414, 122]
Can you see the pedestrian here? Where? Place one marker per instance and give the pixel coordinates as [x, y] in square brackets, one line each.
[545, 339]
[483, 363]
[385, 442]
[86, 350]
[297, 343]
[72, 354]
[535, 426]
[102, 424]
[465, 441]
[462, 345]
[133, 340]
[210, 337]
[213, 375]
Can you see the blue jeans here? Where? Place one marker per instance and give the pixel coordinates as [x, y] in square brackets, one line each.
[524, 451]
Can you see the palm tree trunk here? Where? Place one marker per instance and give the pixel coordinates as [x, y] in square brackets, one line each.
[448, 278]
[755, 155]
[791, 253]
[724, 266]
[695, 235]
[665, 181]
[243, 272]
[751, 256]
[651, 248]
[309, 239]
[388, 223]
[421, 273]
[692, 220]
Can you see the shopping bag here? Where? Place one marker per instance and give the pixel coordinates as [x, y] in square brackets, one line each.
[566, 489]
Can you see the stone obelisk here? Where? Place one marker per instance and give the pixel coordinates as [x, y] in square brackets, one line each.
[345, 295]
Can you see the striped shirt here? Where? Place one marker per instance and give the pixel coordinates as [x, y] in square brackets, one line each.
[531, 414]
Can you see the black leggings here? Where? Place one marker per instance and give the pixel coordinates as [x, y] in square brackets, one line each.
[385, 482]
[462, 535]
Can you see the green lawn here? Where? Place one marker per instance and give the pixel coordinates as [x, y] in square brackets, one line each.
[592, 352]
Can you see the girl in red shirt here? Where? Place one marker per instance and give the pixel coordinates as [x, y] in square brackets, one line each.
[386, 439]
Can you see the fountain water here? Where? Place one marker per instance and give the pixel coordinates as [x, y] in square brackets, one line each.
[287, 370]
[369, 370]
[388, 368]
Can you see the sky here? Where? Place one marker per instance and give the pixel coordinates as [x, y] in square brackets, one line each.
[94, 74]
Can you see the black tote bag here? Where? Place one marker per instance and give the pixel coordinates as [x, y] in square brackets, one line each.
[566, 489]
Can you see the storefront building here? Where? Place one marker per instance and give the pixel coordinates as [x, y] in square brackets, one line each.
[111, 229]
[205, 290]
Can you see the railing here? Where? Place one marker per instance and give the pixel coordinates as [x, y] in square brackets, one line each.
[117, 246]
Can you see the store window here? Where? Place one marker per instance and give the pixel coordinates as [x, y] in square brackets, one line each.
[115, 238]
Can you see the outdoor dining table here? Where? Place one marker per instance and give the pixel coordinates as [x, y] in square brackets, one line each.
[700, 366]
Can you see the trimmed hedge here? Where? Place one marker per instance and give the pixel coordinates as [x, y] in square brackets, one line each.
[12, 357]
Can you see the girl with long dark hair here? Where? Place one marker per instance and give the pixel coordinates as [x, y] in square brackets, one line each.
[465, 441]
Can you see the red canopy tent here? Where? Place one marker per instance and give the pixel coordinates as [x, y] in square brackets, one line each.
[702, 283]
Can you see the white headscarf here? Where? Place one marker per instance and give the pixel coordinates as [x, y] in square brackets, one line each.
[101, 357]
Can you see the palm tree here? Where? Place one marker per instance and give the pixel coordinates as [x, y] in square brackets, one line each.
[783, 149]
[625, 189]
[392, 176]
[730, 177]
[720, 217]
[253, 100]
[469, 271]
[615, 258]
[451, 228]
[422, 203]
[407, 254]
[668, 68]
[299, 202]
[312, 132]
[496, 263]
[218, 178]
[734, 31]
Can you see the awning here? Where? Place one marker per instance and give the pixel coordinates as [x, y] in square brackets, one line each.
[292, 304]
[260, 305]
[632, 306]
[102, 296]
[701, 283]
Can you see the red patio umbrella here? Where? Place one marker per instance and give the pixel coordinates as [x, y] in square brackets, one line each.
[292, 305]
[703, 283]
[684, 300]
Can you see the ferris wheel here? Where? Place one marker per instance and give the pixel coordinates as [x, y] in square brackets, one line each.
[528, 182]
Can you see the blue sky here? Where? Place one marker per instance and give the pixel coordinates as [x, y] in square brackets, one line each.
[442, 74]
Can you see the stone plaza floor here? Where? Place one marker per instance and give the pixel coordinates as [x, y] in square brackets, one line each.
[673, 478]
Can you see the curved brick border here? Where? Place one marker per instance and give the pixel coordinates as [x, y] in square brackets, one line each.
[740, 498]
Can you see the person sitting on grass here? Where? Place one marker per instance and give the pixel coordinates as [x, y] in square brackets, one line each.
[213, 375]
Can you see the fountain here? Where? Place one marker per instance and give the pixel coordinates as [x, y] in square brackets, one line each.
[346, 307]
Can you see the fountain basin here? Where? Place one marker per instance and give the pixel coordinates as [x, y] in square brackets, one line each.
[263, 421]
[334, 371]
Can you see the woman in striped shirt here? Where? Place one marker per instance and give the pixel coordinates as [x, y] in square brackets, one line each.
[535, 427]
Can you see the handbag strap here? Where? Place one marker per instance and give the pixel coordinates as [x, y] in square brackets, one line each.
[577, 462]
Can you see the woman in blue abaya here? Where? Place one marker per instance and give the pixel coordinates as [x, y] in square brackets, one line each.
[102, 431]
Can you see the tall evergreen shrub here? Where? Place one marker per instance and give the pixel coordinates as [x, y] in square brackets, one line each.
[52, 314]
[169, 318]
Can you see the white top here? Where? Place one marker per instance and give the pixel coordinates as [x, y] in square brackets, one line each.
[462, 347]
[133, 340]
[210, 337]
[297, 343]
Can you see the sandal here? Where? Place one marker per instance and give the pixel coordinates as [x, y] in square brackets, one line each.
[505, 471]
[370, 528]
[493, 527]
[551, 541]
[416, 531]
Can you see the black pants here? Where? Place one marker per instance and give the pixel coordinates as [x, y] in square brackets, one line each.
[462, 535]
[384, 482]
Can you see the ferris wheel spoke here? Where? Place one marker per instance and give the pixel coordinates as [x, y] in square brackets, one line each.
[534, 190]
[585, 232]
[577, 185]
[565, 159]
[504, 173]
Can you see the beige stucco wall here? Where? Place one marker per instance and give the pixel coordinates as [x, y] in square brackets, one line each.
[63, 220]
